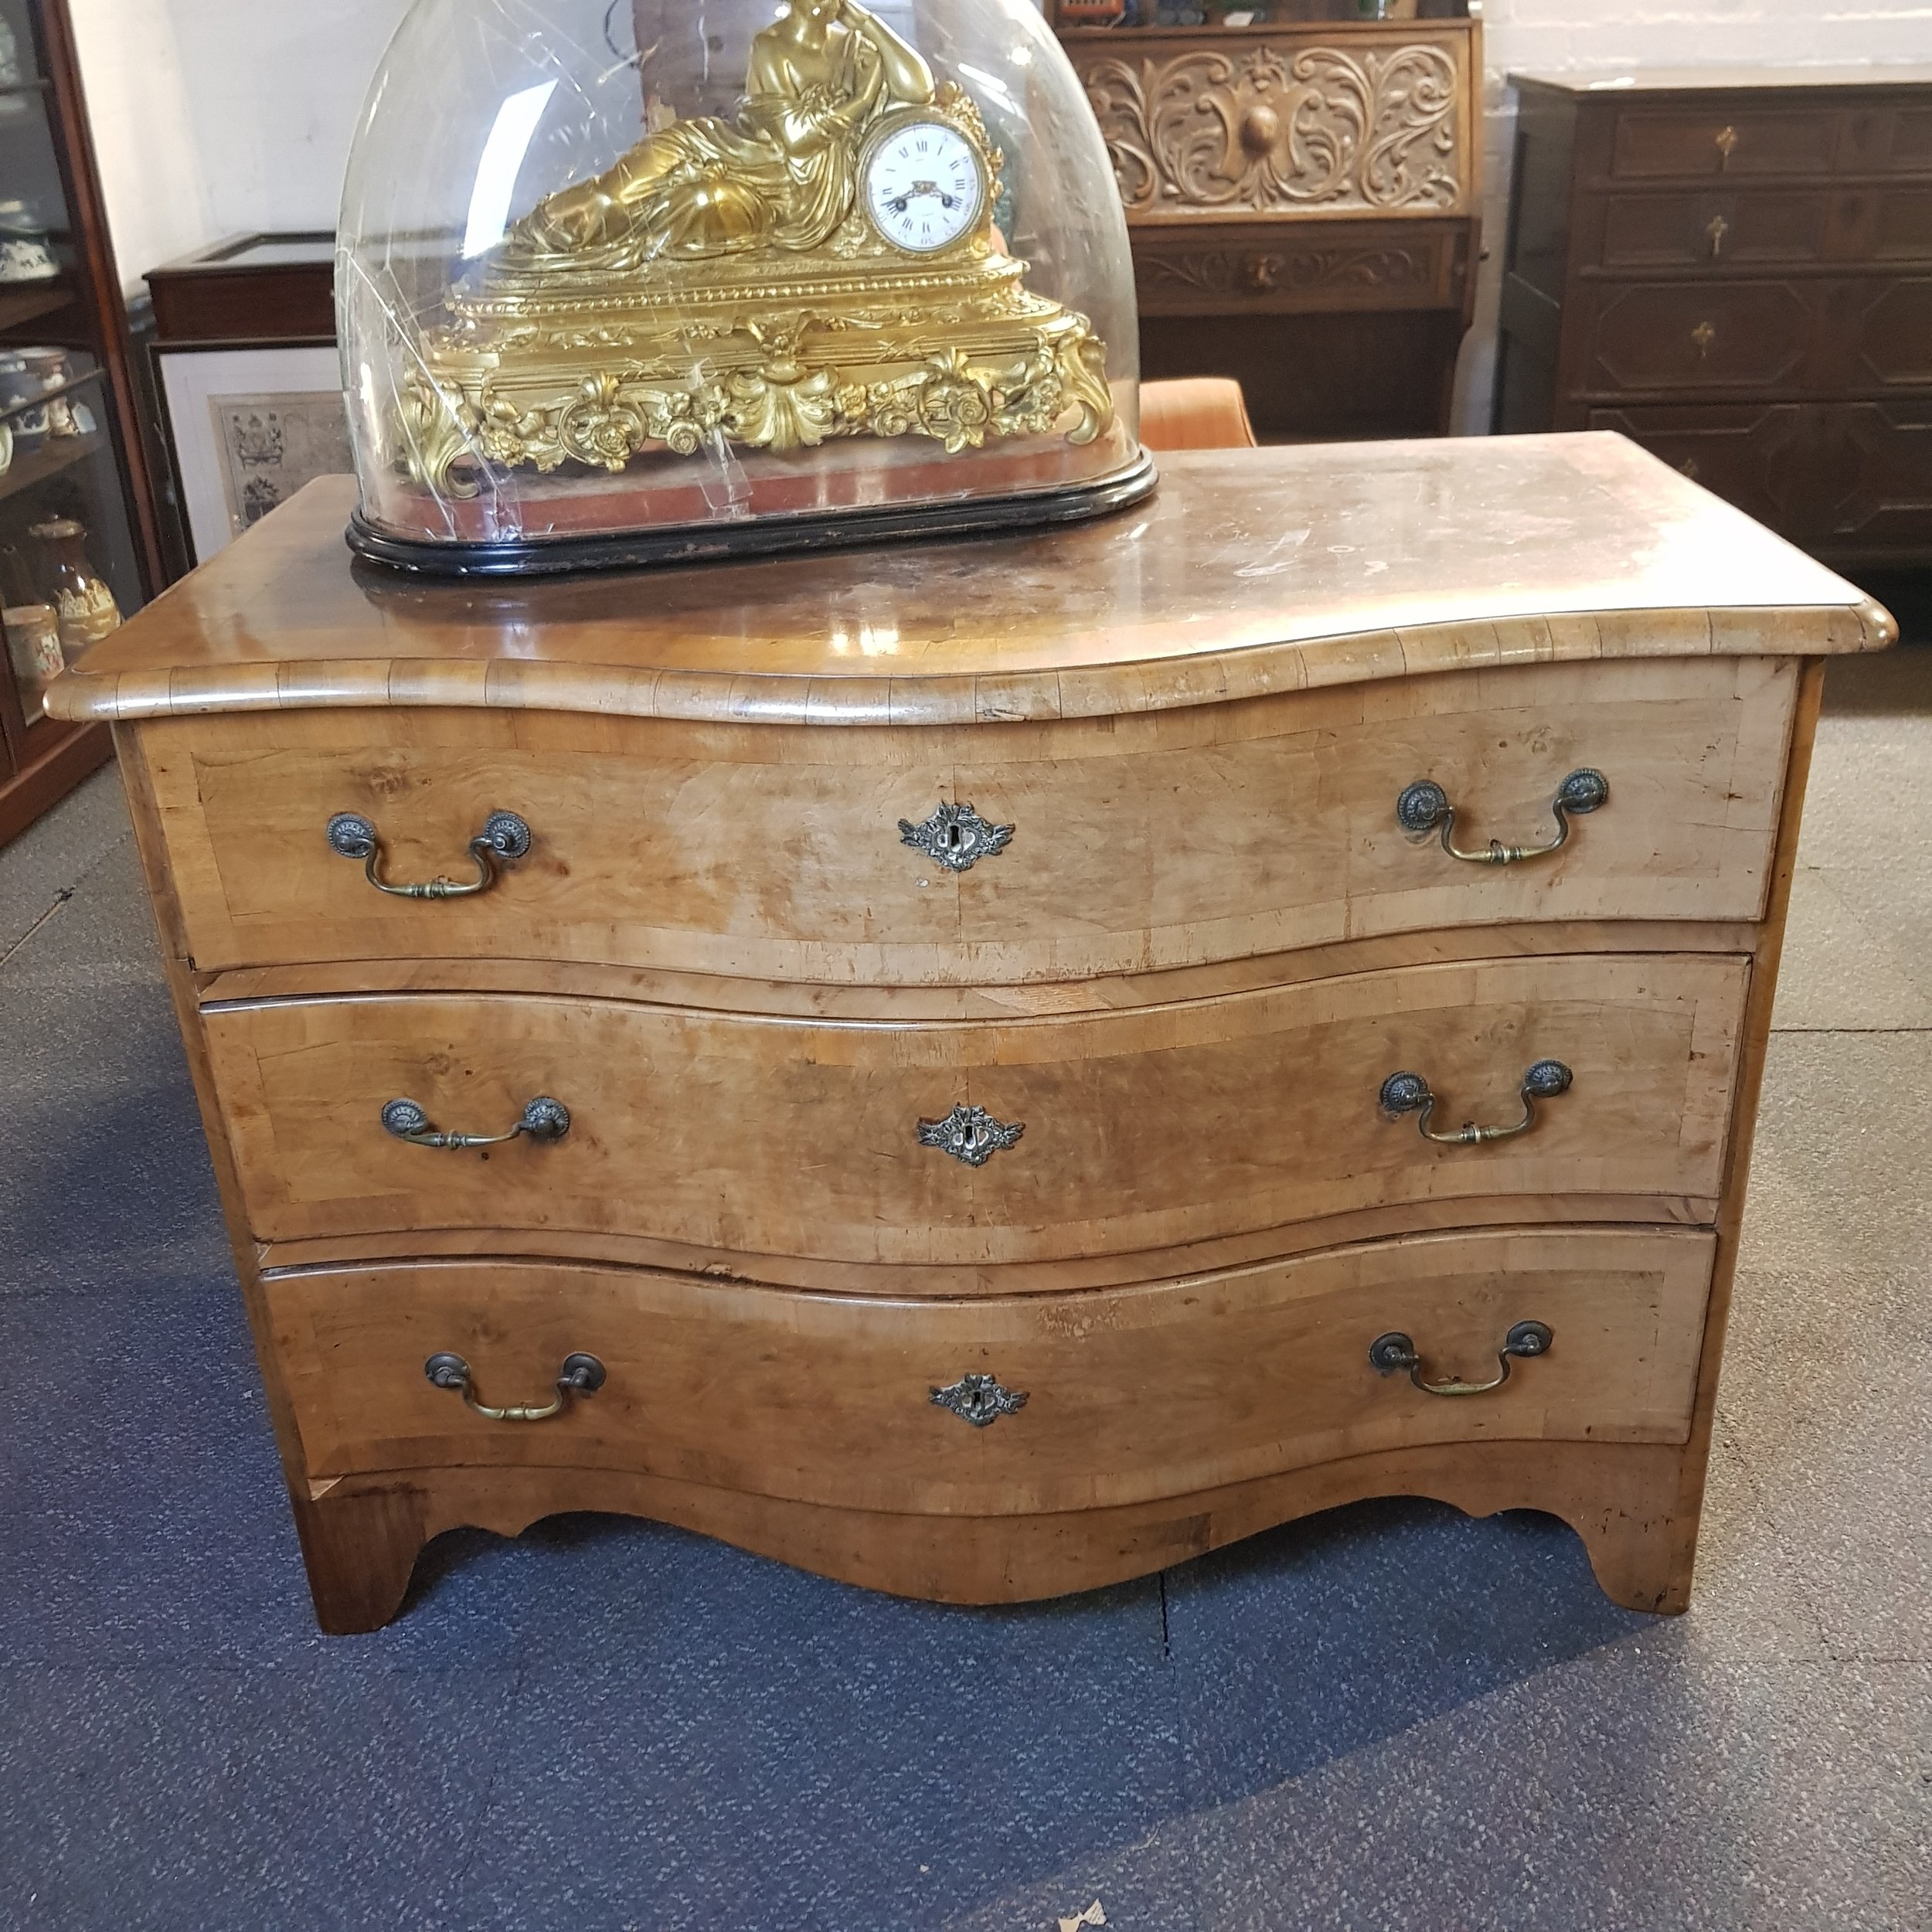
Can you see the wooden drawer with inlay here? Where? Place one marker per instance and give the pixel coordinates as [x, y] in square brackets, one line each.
[765, 852]
[1142, 1129]
[1128, 1395]
[1816, 336]
[1712, 232]
[1721, 137]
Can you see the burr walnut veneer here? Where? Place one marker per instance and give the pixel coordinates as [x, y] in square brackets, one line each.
[947, 1065]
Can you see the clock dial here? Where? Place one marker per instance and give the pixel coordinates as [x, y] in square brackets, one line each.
[925, 187]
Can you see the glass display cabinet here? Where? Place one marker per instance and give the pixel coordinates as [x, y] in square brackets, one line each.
[78, 548]
[1301, 179]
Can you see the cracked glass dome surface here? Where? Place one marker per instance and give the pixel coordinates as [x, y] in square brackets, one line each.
[633, 281]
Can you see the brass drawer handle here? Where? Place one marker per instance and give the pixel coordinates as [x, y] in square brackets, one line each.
[543, 1120]
[957, 838]
[979, 1400]
[1408, 1093]
[971, 1135]
[1705, 336]
[1425, 806]
[1388, 1354]
[1727, 141]
[504, 839]
[583, 1376]
[1718, 229]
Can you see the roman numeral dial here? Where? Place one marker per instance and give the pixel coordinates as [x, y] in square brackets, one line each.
[925, 185]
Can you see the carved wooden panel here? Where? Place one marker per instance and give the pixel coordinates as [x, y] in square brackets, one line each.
[1288, 125]
[1336, 266]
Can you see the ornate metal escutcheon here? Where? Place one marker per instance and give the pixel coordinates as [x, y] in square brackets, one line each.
[957, 837]
[970, 1133]
[1390, 1354]
[1425, 806]
[544, 1120]
[979, 1400]
[582, 1375]
[505, 839]
[1408, 1093]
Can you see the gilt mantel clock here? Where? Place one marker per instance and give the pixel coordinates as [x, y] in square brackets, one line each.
[594, 320]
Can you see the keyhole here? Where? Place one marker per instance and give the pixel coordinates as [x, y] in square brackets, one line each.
[953, 837]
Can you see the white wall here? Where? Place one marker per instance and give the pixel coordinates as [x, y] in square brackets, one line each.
[1607, 37]
[211, 116]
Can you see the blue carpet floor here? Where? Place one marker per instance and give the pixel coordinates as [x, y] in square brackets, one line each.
[1388, 1717]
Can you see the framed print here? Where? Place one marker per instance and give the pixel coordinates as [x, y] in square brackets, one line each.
[249, 427]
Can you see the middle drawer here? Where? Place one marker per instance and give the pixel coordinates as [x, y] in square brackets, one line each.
[961, 1144]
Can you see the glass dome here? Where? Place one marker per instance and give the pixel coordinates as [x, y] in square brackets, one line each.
[634, 280]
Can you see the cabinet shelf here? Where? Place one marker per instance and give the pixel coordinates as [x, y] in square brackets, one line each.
[32, 301]
[56, 454]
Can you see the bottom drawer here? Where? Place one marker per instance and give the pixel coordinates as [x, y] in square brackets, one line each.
[1849, 478]
[1130, 1394]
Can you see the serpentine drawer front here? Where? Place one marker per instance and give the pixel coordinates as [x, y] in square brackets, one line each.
[1081, 1401]
[988, 1071]
[1171, 839]
[949, 1143]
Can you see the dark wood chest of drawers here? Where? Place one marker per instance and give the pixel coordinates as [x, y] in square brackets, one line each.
[1735, 268]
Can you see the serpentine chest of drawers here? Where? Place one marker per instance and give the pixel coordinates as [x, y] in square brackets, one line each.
[948, 1067]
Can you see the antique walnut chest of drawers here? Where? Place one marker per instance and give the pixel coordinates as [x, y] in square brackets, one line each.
[1735, 268]
[950, 1067]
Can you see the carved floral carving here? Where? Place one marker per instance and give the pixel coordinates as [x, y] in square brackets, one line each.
[1268, 129]
[1298, 270]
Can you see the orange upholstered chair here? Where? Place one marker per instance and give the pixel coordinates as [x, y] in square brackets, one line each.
[1196, 413]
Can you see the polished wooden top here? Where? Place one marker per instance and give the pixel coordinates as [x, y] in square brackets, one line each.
[1253, 571]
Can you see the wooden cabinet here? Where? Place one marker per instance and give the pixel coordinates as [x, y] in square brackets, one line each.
[71, 451]
[1220, 1012]
[1736, 269]
[1304, 201]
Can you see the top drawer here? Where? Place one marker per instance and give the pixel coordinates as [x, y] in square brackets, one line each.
[1721, 139]
[1170, 839]
[1862, 133]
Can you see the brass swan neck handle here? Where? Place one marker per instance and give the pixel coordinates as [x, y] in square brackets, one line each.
[1424, 807]
[1390, 1354]
[504, 839]
[1409, 1093]
[544, 1120]
[582, 1375]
